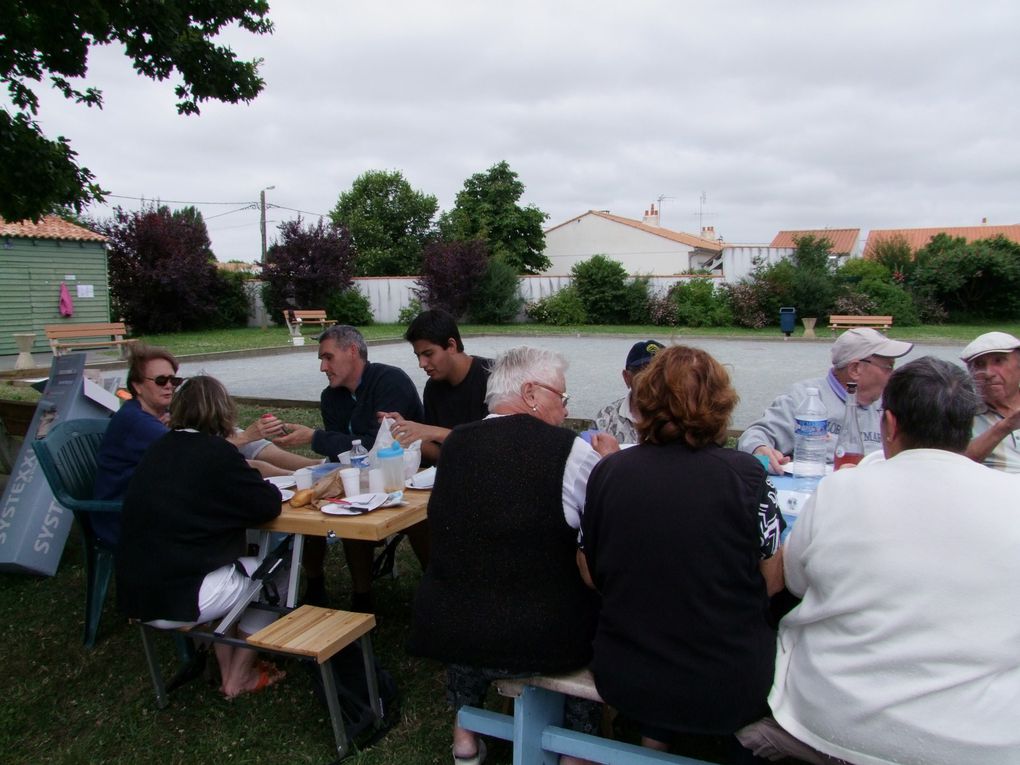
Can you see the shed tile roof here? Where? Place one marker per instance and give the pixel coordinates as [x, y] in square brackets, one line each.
[843, 240]
[917, 238]
[676, 236]
[49, 227]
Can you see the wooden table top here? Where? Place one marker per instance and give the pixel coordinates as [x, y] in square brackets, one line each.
[374, 526]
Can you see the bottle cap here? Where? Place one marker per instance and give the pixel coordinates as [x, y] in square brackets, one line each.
[393, 450]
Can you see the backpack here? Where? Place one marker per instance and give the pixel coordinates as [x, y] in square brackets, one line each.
[352, 693]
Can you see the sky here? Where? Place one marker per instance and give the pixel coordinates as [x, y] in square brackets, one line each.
[783, 114]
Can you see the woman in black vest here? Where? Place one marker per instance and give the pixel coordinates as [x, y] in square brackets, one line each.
[502, 595]
[680, 538]
[186, 511]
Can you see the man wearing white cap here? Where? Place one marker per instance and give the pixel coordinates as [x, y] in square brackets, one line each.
[994, 362]
[863, 356]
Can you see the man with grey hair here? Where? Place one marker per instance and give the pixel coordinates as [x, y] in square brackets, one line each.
[358, 390]
[993, 360]
[907, 570]
[863, 356]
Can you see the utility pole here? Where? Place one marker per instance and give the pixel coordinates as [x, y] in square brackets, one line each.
[262, 226]
[262, 220]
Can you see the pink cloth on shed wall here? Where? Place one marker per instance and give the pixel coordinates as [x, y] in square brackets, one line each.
[66, 304]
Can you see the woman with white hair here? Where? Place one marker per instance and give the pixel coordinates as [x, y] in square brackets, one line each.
[502, 596]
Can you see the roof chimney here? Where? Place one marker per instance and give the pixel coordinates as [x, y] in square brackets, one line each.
[651, 216]
[708, 232]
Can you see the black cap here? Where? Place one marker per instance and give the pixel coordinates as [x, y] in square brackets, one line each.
[642, 353]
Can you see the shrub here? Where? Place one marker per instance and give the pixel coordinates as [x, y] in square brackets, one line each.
[408, 313]
[699, 305]
[747, 302]
[895, 254]
[854, 303]
[975, 281]
[163, 274]
[233, 299]
[561, 308]
[662, 310]
[449, 273]
[497, 297]
[600, 283]
[306, 267]
[350, 306]
[637, 301]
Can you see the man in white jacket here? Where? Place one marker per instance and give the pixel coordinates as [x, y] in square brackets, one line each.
[864, 356]
[905, 647]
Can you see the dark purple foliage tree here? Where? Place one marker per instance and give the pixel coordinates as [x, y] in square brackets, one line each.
[163, 275]
[306, 267]
[450, 272]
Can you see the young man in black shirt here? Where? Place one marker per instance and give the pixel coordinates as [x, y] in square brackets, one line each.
[455, 391]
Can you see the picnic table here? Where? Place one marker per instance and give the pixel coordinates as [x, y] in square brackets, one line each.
[374, 526]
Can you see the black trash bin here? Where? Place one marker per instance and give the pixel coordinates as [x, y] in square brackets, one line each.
[787, 320]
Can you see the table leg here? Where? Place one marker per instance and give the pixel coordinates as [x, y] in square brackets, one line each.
[297, 550]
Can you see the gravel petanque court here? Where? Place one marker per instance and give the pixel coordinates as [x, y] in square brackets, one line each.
[760, 369]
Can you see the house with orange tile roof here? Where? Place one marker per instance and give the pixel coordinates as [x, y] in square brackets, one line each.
[642, 246]
[916, 238]
[36, 258]
[843, 240]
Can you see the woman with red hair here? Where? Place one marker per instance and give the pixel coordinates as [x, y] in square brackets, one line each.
[681, 537]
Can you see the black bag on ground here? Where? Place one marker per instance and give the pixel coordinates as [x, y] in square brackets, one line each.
[352, 693]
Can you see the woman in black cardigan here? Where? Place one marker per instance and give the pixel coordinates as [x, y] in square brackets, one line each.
[186, 511]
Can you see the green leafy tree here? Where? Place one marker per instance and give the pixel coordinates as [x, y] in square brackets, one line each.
[52, 40]
[487, 208]
[814, 286]
[895, 254]
[973, 281]
[390, 223]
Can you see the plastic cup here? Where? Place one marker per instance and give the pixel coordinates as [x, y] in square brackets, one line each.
[375, 480]
[351, 478]
[304, 478]
[412, 461]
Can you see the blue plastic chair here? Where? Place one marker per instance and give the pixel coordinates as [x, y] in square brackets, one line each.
[67, 456]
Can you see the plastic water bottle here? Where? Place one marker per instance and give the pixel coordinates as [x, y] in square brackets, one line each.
[810, 445]
[359, 459]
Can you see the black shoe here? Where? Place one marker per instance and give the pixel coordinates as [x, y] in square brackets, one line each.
[315, 592]
[363, 602]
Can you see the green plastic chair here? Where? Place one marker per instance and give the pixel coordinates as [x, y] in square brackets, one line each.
[67, 456]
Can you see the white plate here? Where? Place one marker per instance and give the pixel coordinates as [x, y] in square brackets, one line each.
[286, 494]
[423, 480]
[342, 508]
[282, 481]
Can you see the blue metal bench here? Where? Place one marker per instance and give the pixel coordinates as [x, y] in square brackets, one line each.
[536, 725]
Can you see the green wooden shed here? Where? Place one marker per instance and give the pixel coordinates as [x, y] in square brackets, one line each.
[35, 258]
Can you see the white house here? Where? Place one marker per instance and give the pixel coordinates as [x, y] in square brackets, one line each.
[642, 246]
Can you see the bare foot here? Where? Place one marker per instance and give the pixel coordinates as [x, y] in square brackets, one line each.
[263, 675]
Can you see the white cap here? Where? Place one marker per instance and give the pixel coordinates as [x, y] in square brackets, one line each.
[989, 342]
[859, 343]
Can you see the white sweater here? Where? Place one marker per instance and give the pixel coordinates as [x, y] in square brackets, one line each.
[906, 647]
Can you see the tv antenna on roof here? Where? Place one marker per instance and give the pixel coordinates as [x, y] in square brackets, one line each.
[659, 200]
[702, 199]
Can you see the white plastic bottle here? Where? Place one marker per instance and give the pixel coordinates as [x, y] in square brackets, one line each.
[810, 445]
[359, 459]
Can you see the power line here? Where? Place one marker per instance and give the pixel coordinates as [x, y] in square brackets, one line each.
[175, 201]
[230, 212]
[306, 212]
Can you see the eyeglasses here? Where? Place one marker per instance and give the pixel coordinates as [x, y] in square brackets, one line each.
[162, 380]
[890, 368]
[564, 397]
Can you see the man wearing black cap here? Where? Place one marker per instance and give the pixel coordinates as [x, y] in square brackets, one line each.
[619, 418]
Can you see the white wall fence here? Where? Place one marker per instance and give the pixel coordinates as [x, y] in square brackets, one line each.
[388, 295]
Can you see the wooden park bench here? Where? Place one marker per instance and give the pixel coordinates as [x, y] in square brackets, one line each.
[309, 633]
[69, 337]
[847, 322]
[536, 725]
[298, 319]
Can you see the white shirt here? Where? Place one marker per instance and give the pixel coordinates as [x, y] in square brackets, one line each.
[906, 646]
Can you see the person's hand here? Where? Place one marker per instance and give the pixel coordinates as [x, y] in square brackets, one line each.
[776, 459]
[165, 418]
[604, 443]
[407, 431]
[270, 426]
[299, 435]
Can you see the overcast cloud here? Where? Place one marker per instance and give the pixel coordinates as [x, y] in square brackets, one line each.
[786, 114]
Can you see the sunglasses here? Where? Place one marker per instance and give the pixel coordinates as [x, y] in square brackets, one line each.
[162, 380]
